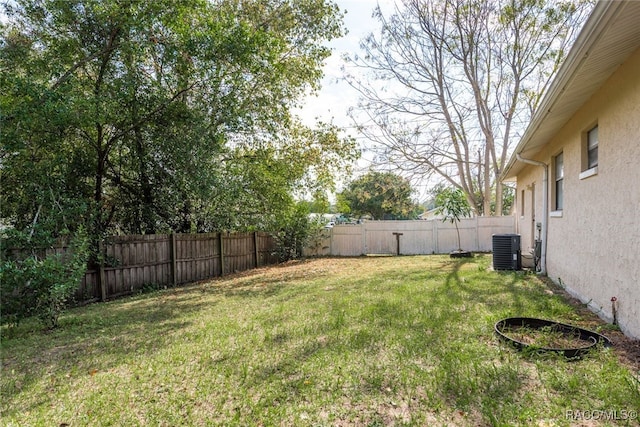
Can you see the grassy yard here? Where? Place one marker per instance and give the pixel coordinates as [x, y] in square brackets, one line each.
[336, 342]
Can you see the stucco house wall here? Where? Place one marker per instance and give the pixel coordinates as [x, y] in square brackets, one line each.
[593, 244]
[529, 210]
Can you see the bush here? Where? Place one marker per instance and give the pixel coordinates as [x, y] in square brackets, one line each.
[296, 230]
[41, 286]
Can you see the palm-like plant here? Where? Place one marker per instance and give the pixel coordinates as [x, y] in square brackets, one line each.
[452, 203]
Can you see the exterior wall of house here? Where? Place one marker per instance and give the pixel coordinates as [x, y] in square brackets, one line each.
[593, 246]
[529, 210]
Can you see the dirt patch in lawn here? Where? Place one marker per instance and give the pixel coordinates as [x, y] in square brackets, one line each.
[546, 337]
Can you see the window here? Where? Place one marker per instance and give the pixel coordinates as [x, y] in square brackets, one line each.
[522, 203]
[592, 148]
[589, 153]
[559, 178]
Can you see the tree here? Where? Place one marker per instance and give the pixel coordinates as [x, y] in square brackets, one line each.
[257, 185]
[453, 204]
[451, 83]
[383, 195]
[150, 116]
[319, 203]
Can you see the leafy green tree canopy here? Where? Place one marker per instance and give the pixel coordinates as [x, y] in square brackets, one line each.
[383, 195]
[452, 204]
[146, 116]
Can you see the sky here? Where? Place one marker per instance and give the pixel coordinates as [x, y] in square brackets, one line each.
[335, 97]
[332, 102]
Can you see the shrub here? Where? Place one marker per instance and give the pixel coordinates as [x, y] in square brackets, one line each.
[41, 285]
[295, 232]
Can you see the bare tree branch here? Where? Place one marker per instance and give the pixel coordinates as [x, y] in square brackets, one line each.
[449, 84]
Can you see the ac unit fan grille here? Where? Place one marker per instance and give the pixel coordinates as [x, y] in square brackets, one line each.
[506, 252]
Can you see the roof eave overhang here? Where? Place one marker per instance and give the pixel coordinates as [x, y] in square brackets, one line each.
[590, 62]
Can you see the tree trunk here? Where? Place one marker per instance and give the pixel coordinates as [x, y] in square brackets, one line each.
[148, 219]
[486, 200]
[499, 201]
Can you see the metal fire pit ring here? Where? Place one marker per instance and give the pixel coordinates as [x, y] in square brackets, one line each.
[592, 338]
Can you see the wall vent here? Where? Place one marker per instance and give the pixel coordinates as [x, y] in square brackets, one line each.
[506, 252]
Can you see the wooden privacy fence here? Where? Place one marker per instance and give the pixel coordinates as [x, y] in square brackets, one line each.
[132, 263]
[411, 237]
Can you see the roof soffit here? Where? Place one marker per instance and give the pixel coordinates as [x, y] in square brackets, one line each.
[609, 37]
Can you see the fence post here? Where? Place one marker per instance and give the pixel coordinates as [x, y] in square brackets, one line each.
[434, 233]
[255, 245]
[174, 259]
[101, 275]
[331, 250]
[397, 242]
[221, 254]
[363, 227]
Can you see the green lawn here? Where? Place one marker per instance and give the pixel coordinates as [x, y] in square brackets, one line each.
[336, 342]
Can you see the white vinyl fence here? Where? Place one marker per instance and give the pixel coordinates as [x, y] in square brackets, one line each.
[411, 237]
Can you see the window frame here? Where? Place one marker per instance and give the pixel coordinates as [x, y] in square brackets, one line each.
[558, 182]
[590, 149]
